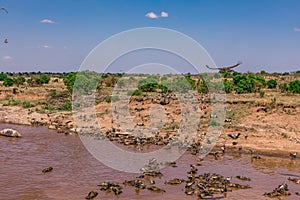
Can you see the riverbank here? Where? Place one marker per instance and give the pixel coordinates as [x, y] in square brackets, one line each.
[274, 133]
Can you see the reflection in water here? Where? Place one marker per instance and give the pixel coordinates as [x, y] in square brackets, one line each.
[75, 172]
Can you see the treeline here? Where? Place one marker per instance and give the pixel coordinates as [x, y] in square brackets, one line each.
[250, 83]
[20, 80]
[229, 81]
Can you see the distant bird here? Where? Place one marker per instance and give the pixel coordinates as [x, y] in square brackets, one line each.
[234, 137]
[5, 41]
[224, 68]
[293, 155]
[4, 9]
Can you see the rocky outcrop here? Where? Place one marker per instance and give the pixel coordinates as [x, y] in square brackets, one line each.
[10, 133]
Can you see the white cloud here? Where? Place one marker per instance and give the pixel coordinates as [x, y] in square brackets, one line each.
[152, 15]
[46, 46]
[7, 58]
[164, 14]
[297, 29]
[47, 21]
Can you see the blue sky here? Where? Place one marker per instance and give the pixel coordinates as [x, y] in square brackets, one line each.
[56, 35]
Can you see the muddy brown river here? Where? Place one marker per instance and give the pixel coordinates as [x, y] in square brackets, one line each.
[76, 172]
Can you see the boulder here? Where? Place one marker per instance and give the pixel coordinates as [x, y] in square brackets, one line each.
[10, 133]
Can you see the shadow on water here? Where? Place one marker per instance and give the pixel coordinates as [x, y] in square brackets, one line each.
[75, 172]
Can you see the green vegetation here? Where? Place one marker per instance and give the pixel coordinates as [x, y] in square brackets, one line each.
[271, 84]
[2, 76]
[8, 82]
[26, 104]
[67, 106]
[43, 79]
[83, 82]
[19, 80]
[294, 86]
[135, 93]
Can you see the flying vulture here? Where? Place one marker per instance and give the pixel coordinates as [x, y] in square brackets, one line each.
[225, 68]
[4, 9]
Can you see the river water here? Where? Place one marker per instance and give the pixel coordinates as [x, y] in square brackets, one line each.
[76, 172]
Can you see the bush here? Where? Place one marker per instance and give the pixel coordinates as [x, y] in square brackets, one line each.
[148, 84]
[82, 82]
[271, 84]
[228, 85]
[43, 79]
[26, 104]
[284, 87]
[2, 76]
[135, 93]
[193, 82]
[66, 106]
[19, 80]
[8, 82]
[294, 86]
[121, 83]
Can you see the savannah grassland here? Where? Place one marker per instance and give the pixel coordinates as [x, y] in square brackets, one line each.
[264, 108]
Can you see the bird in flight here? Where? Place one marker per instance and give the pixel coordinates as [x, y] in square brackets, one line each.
[225, 68]
[4, 9]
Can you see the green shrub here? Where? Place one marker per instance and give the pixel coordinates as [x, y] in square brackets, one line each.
[271, 84]
[19, 80]
[135, 93]
[228, 85]
[26, 104]
[108, 99]
[294, 86]
[284, 87]
[2, 76]
[193, 82]
[43, 79]
[66, 106]
[83, 82]
[8, 82]
[148, 84]
[121, 83]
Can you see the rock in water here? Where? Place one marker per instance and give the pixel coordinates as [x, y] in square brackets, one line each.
[10, 133]
[91, 195]
[48, 169]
